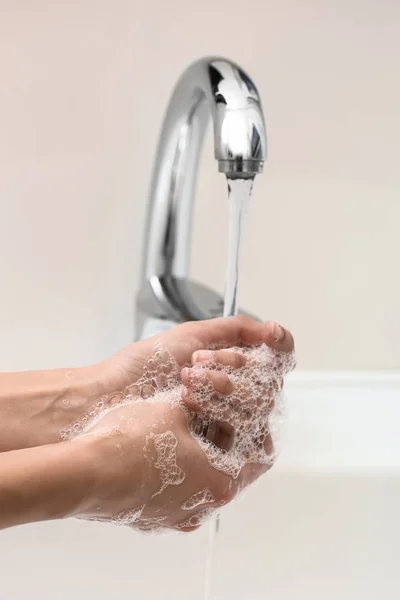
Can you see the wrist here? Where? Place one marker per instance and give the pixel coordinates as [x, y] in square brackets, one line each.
[36, 406]
[84, 477]
[118, 474]
[45, 483]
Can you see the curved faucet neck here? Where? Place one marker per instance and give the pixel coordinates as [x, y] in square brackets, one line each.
[209, 87]
[213, 88]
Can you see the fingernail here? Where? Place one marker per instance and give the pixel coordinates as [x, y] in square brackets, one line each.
[185, 375]
[278, 333]
[185, 393]
[203, 355]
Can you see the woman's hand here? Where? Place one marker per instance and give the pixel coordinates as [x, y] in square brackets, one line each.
[36, 406]
[139, 462]
[125, 367]
[149, 468]
[153, 471]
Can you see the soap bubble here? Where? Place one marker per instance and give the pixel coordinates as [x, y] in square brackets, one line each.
[251, 416]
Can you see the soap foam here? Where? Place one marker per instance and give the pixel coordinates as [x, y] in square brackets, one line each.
[253, 412]
[198, 519]
[204, 496]
[170, 474]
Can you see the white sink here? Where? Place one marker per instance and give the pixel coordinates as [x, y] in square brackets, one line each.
[323, 524]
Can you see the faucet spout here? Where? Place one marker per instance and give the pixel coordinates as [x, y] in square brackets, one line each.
[210, 88]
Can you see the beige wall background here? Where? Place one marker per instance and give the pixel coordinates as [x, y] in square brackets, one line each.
[83, 87]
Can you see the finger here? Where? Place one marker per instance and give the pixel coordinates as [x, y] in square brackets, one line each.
[188, 398]
[277, 337]
[231, 331]
[229, 358]
[269, 446]
[189, 401]
[267, 396]
[215, 380]
[221, 382]
[214, 386]
[252, 471]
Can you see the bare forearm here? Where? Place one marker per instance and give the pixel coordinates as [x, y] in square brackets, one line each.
[45, 483]
[35, 406]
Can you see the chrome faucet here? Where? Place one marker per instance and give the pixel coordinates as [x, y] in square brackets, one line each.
[210, 87]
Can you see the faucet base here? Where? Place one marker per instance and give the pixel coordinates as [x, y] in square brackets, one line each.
[152, 327]
[168, 301]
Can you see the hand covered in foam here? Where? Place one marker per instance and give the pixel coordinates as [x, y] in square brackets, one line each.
[237, 397]
[176, 445]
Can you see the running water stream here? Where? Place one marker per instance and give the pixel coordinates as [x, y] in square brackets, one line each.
[239, 191]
